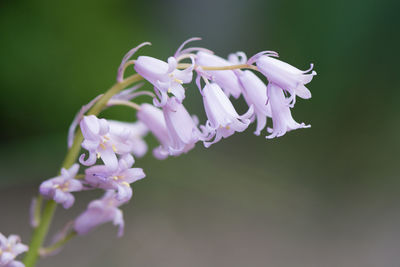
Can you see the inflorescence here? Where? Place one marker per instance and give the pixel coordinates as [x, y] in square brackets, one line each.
[111, 145]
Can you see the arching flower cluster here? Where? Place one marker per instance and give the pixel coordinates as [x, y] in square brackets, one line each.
[111, 145]
[225, 78]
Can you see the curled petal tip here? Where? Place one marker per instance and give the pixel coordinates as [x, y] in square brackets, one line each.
[258, 55]
[121, 68]
[179, 50]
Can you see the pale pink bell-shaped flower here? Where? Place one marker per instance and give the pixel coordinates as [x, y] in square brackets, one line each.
[226, 79]
[223, 120]
[284, 75]
[101, 211]
[10, 248]
[281, 116]
[255, 94]
[101, 143]
[100, 176]
[132, 133]
[59, 188]
[127, 94]
[182, 128]
[165, 77]
[153, 118]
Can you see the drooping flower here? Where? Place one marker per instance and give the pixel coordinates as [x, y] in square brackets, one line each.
[101, 143]
[59, 188]
[126, 94]
[153, 118]
[226, 79]
[281, 116]
[182, 128]
[131, 134]
[165, 77]
[223, 120]
[10, 248]
[284, 75]
[101, 177]
[101, 211]
[255, 94]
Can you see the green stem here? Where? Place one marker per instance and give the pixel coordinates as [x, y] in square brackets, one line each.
[40, 232]
[38, 211]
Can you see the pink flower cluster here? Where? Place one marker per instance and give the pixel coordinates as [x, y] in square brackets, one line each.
[111, 145]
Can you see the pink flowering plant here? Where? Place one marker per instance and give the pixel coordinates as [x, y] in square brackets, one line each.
[101, 152]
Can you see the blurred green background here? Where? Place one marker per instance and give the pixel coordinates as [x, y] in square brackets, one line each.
[325, 196]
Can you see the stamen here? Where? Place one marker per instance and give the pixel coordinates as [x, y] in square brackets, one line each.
[125, 184]
[98, 155]
[102, 146]
[114, 148]
[178, 81]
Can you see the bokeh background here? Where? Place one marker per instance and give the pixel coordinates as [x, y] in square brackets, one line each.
[325, 196]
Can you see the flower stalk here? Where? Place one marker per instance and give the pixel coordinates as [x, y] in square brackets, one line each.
[59, 244]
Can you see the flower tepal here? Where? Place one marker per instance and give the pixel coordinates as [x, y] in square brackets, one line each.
[131, 134]
[101, 177]
[59, 188]
[223, 120]
[10, 248]
[182, 127]
[281, 116]
[101, 211]
[226, 79]
[153, 118]
[100, 142]
[255, 94]
[165, 77]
